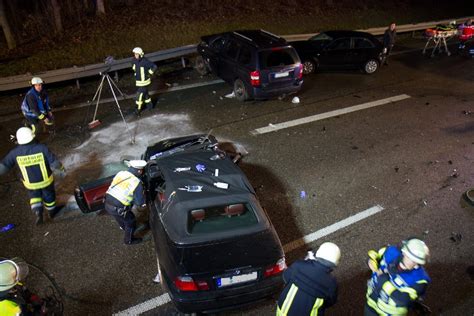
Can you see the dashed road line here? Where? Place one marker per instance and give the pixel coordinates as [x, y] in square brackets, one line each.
[165, 298]
[322, 116]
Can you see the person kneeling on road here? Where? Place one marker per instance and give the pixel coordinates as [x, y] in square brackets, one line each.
[35, 162]
[125, 191]
[309, 286]
[35, 107]
[398, 279]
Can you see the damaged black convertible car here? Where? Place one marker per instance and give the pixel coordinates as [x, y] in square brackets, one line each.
[216, 246]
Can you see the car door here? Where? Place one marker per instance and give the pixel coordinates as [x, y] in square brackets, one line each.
[228, 61]
[361, 52]
[216, 45]
[337, 53]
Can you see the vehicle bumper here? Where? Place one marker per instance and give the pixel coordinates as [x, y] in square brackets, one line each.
[224, 299]
[260, 93]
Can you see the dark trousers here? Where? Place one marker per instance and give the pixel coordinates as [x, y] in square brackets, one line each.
[40, 197]
[126, 221]
[142, 98]
[369, 311]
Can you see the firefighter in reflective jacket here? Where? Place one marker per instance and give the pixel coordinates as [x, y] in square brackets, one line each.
[143, 69]
[35, 106]
[309, 286]
[125, 191]
[398, 278]
[35, 162]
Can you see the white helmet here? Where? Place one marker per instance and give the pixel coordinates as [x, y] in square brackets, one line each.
[329, 251]
[416, 250]
[11, 272]
[139, 51]
[137, 164]
[24, 135]
[36, 80]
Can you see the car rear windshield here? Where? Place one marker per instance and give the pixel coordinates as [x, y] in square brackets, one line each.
[276, 57]
[221, 218]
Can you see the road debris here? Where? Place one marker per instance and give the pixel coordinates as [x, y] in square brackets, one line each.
[456, 237]
[467, 112]
[7, 228]
[302, 194]
[46, 234]
[425, 203]
[295, 100]
[396, 169]
[230, 95]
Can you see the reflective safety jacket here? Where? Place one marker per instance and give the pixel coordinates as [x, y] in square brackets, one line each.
[309, 289]
[394, 291]
[35, 161]
[35, 104]
[9, 308]
[127, 189]
[143, 69]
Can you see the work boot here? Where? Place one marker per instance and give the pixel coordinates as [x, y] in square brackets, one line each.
[55, 211]
[138, 112]
[134, 241]
[39, 218]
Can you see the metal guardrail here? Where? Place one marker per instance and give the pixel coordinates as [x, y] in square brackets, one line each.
[75, 73]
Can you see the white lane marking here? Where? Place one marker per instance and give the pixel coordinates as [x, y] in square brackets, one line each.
[332, 228]
[322, 116]
[165, 298]
[146, 306]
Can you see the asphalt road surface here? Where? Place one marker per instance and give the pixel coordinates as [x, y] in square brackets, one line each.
[413, 158]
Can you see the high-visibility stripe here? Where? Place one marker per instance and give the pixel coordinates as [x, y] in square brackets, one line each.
[317, 304]
[50, 204]
[34, 160]
[143, 83]
[290, 296]
[148, 100]
[41, 116]
[38, 185]
[133, 67]
[142, 74]
[139, 102]
[9, 308]
[122, 187]
[33, 128]
[390, 309]
[150, 71]
[36, 200]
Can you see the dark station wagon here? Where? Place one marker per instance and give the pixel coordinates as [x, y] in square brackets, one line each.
[216, 246]
[258, 64]
[340, 49]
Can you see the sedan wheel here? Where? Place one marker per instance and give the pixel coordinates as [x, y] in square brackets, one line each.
[201, 66]
[240, 91]
[371, 66]
[309, 66]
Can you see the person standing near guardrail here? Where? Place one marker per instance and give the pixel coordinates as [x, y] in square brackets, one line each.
[35, 106]
[143, 69]
[388, 41]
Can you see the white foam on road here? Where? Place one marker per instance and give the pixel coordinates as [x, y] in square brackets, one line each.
[165, 298]
[322, 116]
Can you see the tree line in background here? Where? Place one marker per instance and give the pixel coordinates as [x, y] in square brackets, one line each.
[26, 20]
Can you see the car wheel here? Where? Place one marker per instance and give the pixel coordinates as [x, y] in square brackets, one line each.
[240, 91]
[201, 66]
[309, 67]
[371, 66]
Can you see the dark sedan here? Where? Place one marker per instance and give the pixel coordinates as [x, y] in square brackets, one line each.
[340, 49]
[216, 246]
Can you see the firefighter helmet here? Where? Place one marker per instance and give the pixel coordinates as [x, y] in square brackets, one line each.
[416, 250]
[137, 164]
[11, 272]
[139, 51]
[329, 251]
[36, 80]
[24, 135]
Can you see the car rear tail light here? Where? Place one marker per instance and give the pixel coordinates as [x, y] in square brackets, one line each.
[187, 284]
[300, 71]
[275, 269]
[255, 78]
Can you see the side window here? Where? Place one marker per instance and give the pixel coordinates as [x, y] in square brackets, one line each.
[362, 43]
[341, 43]
[218, 44]
[232, 49]
[245, 56]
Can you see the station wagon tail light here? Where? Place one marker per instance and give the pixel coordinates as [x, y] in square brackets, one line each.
[187, 284]
[300, 71]
[275, 269]
[255, 78]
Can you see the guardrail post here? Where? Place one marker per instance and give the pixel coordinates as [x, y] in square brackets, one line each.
[116, 77]
[183, 62]
[78, 86]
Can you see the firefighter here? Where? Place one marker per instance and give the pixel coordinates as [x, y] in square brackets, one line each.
[35, 162]
[309, 286]
[143, 69]
[35, 106]
[398, 278]
[125, 191]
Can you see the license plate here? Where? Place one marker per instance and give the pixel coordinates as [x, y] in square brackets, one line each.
[236, 279]
[282, 74]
